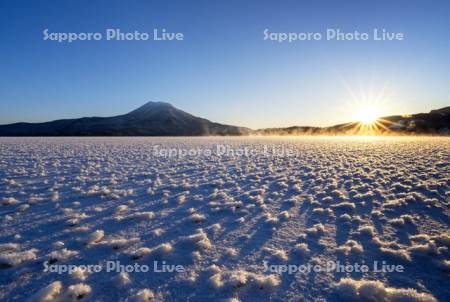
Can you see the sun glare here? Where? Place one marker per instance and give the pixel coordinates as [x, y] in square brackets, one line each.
[368, 114]
[368, 120]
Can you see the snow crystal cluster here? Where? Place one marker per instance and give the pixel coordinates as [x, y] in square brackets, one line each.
[224, 219]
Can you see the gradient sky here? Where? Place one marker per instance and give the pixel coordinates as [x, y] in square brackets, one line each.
[223, 70]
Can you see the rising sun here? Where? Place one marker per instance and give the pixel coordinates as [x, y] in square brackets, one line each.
[367, 114]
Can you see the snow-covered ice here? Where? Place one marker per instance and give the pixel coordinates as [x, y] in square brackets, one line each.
[225, 219]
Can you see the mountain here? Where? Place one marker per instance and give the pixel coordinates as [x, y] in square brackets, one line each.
[151, 119]
[163, 119]
[436, 122]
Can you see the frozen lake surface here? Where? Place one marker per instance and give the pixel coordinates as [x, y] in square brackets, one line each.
[232, 219]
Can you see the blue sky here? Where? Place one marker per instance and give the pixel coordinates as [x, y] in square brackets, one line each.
[223, 70]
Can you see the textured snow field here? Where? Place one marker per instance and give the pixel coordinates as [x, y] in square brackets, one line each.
[227, 219]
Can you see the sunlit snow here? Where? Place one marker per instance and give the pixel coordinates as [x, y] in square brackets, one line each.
[224, 211]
